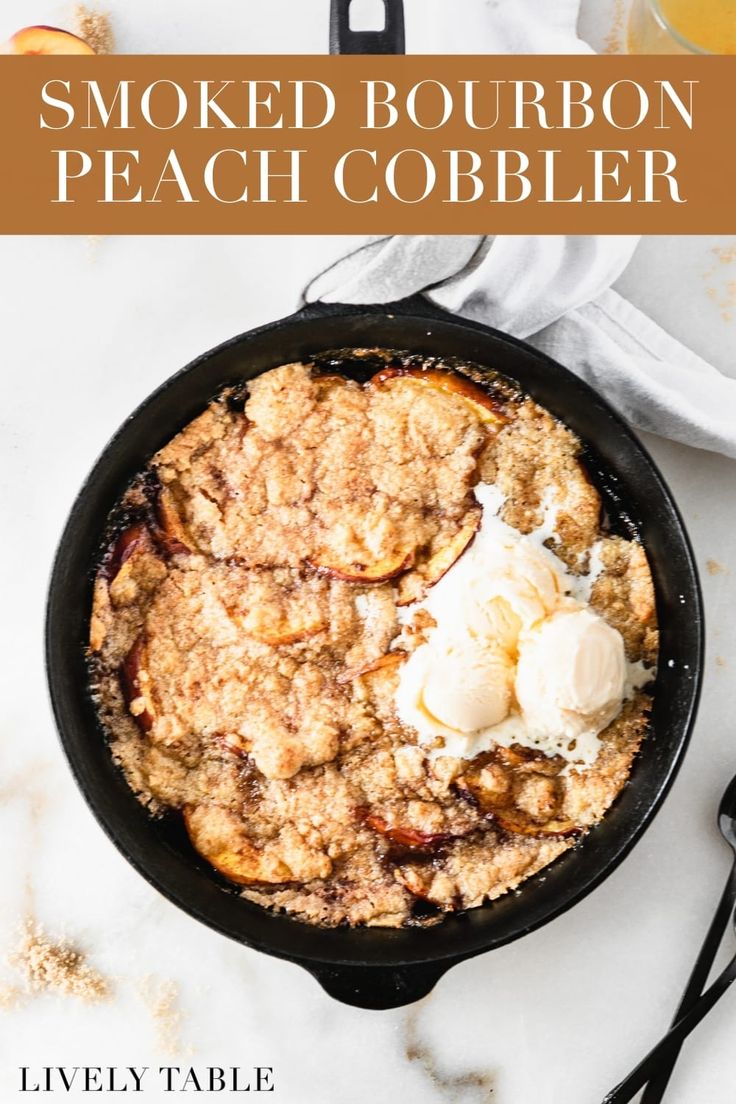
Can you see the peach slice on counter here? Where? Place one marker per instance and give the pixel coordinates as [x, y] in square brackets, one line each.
[379, 571]
[426, 573]
[45, 40]
[487, 409]
[219, 837]
[135, 684]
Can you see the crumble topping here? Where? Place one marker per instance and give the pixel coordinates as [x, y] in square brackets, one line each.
[249, 628]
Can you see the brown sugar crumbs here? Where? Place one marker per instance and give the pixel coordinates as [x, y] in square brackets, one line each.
[53, 966]
[161, 998]
[249, 627]
[95, 28]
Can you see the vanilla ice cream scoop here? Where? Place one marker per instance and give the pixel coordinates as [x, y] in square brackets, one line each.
[571, 674]
[514, 656]
[467, 688]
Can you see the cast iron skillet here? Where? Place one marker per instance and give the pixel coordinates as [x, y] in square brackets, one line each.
[376, 968]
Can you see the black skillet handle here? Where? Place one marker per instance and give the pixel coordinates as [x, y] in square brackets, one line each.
[380, 987]
[412, 305]
[390, 40]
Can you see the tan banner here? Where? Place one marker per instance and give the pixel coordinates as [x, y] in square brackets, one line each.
[270, 145]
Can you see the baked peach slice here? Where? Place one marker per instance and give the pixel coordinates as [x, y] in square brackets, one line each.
[378, 681]
[385, 664]
[412, 586]
[45, 40]
[135, 683]
[136, 538]
[508, 790]
[486, 408]
[288, 632]
[380, 571]
[415, 881]
[324, 385]
[171, 532]
[219, 836]
[401, 835]
[132, 565]
[292, 628]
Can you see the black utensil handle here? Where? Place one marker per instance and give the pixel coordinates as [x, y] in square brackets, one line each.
[390, 40]
[657, 1087]
[674, 1038]
[379, 987]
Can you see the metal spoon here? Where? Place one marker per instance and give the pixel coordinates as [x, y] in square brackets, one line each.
[658, 1064]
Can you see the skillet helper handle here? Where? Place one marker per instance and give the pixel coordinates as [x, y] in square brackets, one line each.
[379, 987]
[390, 40]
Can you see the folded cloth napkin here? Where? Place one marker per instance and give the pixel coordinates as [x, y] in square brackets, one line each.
[553, 291]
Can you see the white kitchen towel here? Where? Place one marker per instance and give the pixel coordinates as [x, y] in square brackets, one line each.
[554, 291]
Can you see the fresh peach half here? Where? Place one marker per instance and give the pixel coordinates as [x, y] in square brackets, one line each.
[135, 683]
[487, 409]
[427, 572]
[380, 571]
[45, 40]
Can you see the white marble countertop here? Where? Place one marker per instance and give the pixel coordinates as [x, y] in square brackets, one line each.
[88, 329]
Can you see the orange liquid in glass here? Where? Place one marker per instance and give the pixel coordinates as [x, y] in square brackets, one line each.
[708, 24]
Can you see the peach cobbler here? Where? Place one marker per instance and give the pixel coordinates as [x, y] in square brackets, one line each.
[373, 637]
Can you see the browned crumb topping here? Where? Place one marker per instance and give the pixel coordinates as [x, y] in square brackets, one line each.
[55, 966]
[245, 625]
